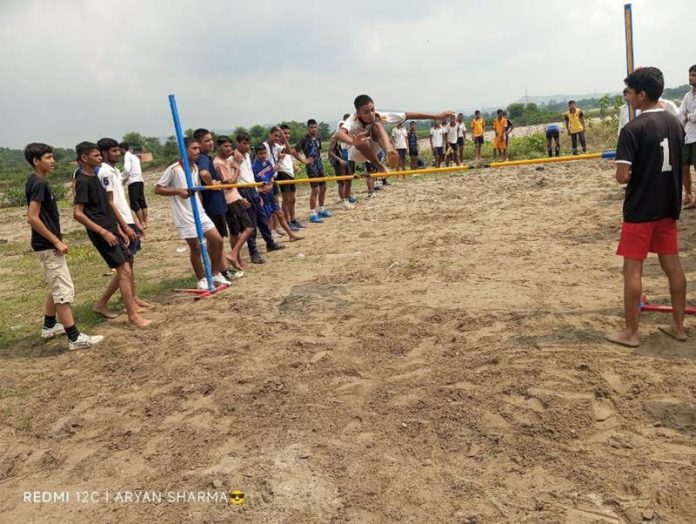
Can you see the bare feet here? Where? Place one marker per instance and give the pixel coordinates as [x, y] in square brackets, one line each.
[140, 302]
[105, 311]
[623, 339]
[294, 238]
[138, 321]
[676, 334]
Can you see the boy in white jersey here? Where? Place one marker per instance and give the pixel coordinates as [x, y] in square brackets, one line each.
[173, 184]
[112, 180]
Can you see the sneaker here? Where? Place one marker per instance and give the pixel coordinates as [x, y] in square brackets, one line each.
[58, 329]
[220, 280]
[352, 199]
[371, 195]
[257, 259]
[84, 341]
[385, 182]
[280, 232]
[347, 204]
[293, 228]
[315, 219]
[274, 247]
[297, 224]
[377, 188]
[203, 284]
[325, 213]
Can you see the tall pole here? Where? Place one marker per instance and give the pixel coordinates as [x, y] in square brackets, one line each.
[628, 25]
[193, 199]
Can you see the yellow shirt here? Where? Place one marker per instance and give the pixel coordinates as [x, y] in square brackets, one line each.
[573, 120]
[499, 126]
[477, 126]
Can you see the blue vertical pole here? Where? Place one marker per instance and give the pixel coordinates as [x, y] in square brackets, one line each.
[628, 26]
[193, 199]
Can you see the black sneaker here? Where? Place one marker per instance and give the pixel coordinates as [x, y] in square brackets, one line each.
[385, 182]
[377, 188]
[274, 247]
[257, 259]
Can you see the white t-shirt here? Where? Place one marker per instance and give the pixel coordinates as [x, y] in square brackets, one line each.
[354, 126]
[285, 164]
[624, 116]
[112, 180]
[342, 144]
[452, 134]
[436, 136]
[687, 114]
[399, 136]
[175, 177]
[461, 129]
[246, 173]
[131, 168]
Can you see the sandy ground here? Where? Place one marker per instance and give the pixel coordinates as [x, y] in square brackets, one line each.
[435, 355]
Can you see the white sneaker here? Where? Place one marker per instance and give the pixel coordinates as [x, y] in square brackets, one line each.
[280, 232]
[203, 284]
[58, 329]
[347, 205]
[220, 280]
[371, 195]
[84, 341]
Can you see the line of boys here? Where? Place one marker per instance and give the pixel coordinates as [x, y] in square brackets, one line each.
[447, 138]
[113, 229]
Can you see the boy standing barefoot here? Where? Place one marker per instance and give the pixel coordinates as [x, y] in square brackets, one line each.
[93, 210]
[648, 160]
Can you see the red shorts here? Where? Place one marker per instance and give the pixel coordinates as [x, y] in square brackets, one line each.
[639, 238]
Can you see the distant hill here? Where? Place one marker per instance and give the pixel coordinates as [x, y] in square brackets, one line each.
[671, 93]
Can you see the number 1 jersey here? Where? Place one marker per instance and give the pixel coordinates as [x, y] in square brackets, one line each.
[651, 145]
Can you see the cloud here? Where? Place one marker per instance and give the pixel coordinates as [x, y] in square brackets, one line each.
[83, 69]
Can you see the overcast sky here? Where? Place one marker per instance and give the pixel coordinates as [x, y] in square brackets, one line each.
[74, 70]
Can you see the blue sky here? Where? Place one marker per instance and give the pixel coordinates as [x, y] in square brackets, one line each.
[75, 70]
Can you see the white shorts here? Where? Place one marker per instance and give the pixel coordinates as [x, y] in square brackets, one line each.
[57, 274]
[190, 231]
[357, 156]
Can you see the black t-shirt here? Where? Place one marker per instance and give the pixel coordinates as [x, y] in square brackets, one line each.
[90, 192]
[37, 189]
[651, 144]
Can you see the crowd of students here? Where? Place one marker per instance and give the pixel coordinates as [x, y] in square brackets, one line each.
[115, 226]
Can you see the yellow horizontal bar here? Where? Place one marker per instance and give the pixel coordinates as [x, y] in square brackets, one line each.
[424, 171]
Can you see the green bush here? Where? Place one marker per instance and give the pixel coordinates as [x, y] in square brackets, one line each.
[530, 146]
[13, 196]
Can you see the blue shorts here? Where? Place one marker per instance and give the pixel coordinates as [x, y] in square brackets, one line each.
[438, 151]
[402, 154]
[344, 154]
[134, 245]
[270, 205]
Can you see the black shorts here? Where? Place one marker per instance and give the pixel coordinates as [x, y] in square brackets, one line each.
[402, 153]
[370, 168]
[460, 141]
[286, 188]
[453, 146]
[220, 222]
[237, 218]
[553, 134]
[438, 150]
[319, 174]
[136, 196]
[114, 256]
[478, 140]
[413, 151]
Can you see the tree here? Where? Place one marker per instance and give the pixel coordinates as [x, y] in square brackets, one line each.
[134, 139]
[323, 131]
[515, 111]
[258, 133]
